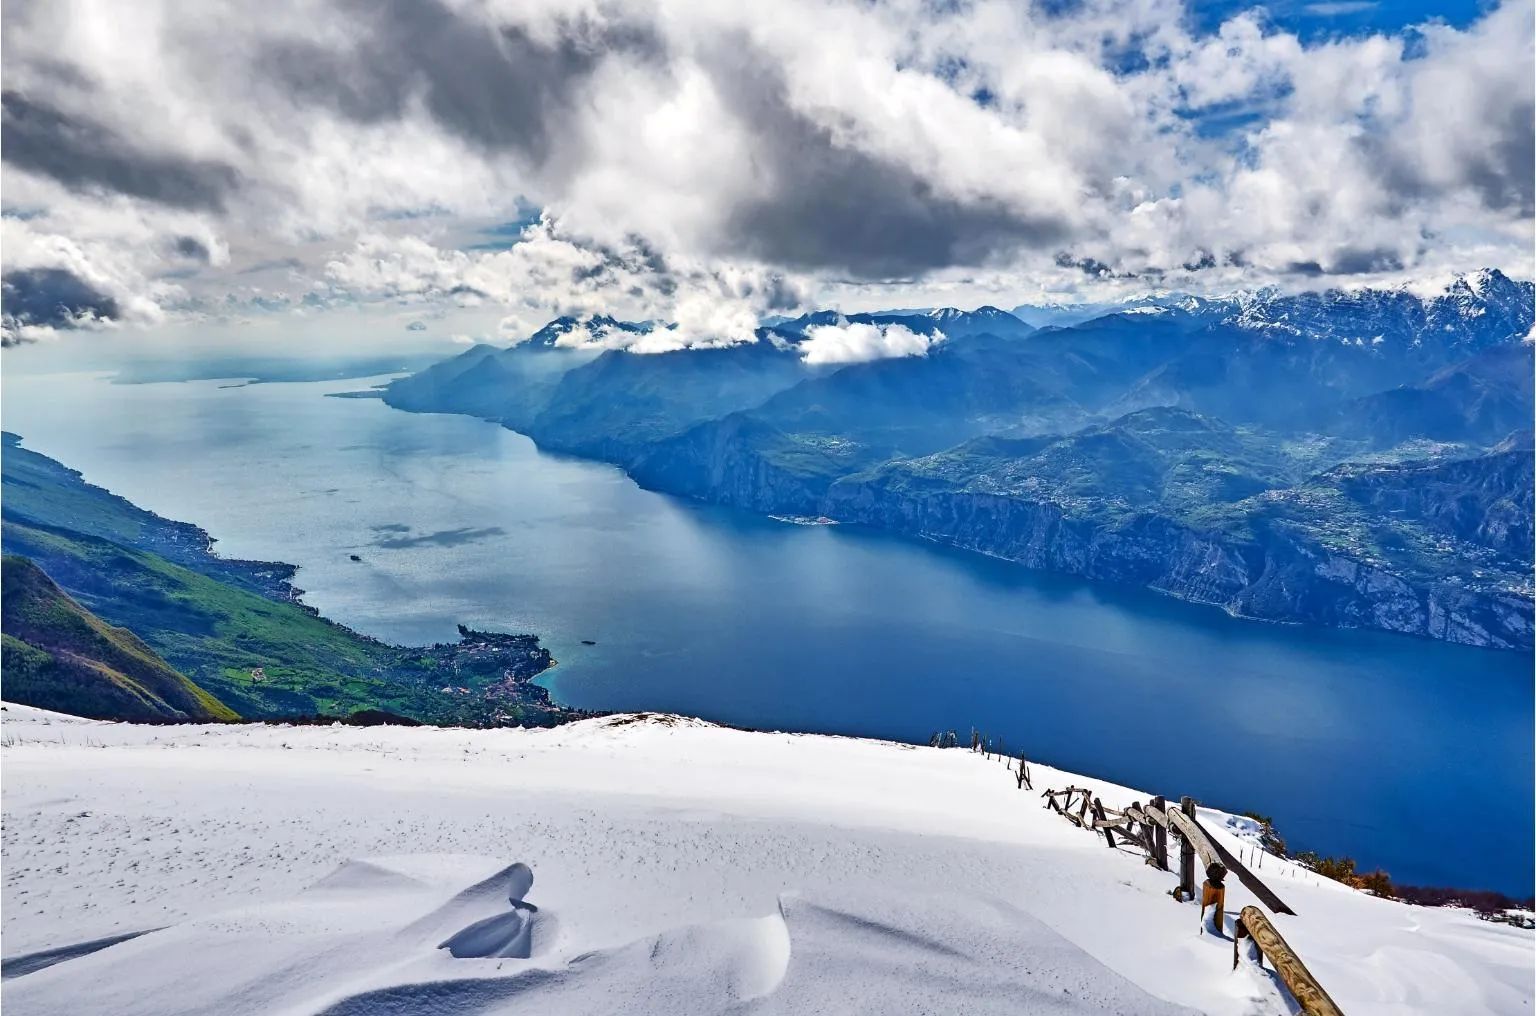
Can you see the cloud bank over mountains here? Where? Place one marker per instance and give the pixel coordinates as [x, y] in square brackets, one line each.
[707, 164]
[859, 342]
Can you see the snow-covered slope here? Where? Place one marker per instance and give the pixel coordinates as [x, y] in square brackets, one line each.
[678, 867]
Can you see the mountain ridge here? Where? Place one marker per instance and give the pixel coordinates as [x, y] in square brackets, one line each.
[1287, 387]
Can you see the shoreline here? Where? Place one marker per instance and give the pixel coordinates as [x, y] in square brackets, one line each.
[816, 521]
[189, 546]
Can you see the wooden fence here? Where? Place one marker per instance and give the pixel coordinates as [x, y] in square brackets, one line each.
[1298, 979]
[1148, 826]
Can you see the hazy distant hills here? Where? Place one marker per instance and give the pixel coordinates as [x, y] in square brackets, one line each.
[1480, 399]
[1237, 452]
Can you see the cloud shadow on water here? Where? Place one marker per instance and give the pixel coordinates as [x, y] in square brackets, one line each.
[441, 538]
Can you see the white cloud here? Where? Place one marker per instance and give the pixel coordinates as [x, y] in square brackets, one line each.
[857, 342]
[548, 274]
[703, 163]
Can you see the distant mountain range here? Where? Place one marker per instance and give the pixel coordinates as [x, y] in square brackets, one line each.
[1479, 303]
[1351, 459]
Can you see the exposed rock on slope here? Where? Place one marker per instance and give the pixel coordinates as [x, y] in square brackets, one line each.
[1435, 548]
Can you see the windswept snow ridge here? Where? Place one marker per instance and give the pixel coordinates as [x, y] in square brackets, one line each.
[640, 865]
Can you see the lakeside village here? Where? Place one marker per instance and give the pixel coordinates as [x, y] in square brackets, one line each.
[486, 679]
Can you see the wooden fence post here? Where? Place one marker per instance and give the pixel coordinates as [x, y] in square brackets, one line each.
[1160, 837]
[1099, 816]
[1187, 853]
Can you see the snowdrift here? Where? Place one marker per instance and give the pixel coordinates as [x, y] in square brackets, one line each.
[353, 944]
[639, 865]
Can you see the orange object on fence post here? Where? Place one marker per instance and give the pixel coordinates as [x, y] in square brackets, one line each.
[1215, 894]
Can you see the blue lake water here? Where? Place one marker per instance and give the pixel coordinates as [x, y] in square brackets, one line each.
[1410, 754]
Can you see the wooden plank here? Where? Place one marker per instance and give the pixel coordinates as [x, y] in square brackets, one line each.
[1194, 837]
[1265, 895]
[1155, 811]
[1298, 979]
[1131, 834]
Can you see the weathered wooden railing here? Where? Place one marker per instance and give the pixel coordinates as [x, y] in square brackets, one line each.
[1147, 826]
[1298, 979]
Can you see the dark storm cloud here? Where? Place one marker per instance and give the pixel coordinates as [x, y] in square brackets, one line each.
[1505, 174]
[52, 297]
[192, 249]
[1201, 261]
[1091, 267]
[640, 259]
[1502, 171]
[1363, 262]
[830, 205]
[497, 88]
[779, 294]
[84, 155]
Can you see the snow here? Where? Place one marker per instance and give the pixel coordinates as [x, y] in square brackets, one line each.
[641, 864]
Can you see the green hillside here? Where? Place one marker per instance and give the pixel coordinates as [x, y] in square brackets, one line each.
[58, 655]
[218, 634]
[236, 628]
[42, 490]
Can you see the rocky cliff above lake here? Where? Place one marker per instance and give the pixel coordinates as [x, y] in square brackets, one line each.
[1340, 459]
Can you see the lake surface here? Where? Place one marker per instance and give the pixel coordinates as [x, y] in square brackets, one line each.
[1405, 753]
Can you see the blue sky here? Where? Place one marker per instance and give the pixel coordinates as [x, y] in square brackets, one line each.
[1315, 20]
